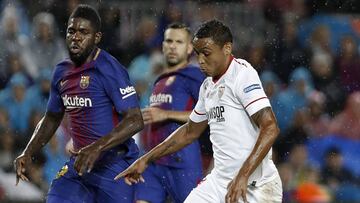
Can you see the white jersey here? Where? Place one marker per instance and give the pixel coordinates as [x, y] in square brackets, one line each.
[227, 104]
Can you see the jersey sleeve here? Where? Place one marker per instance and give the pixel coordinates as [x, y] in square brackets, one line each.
[199, 113]
[249, 91]
[119, 88]
[55, 103]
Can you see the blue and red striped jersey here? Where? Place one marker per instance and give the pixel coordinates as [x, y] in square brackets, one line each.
[176, 91]
[93, 97]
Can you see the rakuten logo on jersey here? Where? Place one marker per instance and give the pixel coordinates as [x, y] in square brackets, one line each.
[76, 102]
[156, 99]
[128, 91]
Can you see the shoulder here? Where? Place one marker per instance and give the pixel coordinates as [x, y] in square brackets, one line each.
[60, 69]
[109, 65]
[242, 70]
[241, 65]
[192, 72]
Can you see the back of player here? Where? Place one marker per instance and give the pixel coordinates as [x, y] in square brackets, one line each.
[174, 95]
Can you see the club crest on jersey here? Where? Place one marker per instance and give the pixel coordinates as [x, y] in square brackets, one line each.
[221, 91]
[170, 80]
[84, 81]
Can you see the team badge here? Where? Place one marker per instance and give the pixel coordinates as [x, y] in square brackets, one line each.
[84, 81]
[62, 172]
[221, 91]
[170, 80]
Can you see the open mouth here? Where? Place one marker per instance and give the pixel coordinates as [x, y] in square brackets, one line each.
[75, 49]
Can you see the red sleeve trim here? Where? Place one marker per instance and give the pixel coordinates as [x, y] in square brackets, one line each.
[255, 101]
[201, 114]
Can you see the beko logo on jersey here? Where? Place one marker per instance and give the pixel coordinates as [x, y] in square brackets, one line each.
[160, 98]
[76, 102]
[216, 113]
[128, 91]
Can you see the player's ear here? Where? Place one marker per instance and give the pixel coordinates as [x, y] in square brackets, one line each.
[227, 48]
[190, 48]
[98, 36]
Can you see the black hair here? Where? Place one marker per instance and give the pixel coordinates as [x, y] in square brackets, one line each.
[216, 30]
[178, 25]
[89, 13]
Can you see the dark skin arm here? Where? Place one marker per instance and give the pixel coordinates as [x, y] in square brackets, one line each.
[180, 138]
[269, 131]
[131, 123]
[43, 132]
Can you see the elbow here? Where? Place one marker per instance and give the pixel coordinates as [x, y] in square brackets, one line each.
[276, 130]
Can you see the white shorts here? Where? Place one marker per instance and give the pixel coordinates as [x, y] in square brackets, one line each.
[213, 190]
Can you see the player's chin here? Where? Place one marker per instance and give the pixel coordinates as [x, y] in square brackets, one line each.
[77, 58]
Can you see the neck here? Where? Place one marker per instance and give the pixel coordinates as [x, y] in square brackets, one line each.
[177, 66]
[224, 68]
[89, 58]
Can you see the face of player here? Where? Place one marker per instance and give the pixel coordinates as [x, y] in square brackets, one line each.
[176, 47]
[212, 58]
[81, 39]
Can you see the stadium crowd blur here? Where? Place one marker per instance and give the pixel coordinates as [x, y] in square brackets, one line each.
[306, 53]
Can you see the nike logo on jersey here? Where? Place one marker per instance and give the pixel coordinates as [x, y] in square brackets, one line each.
[216, 113]
[76, 102]
[127, 92]
[62, 83]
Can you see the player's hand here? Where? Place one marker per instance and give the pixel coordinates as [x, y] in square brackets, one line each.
[85, 158]
[153, 115]
[133, 173]
[237, 188]
[21, 163]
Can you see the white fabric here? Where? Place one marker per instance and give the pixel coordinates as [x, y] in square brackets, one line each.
[227, 105]
[214, 189]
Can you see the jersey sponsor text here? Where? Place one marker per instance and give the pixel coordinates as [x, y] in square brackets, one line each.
[128, 91]
[76, 102]
[216, 113]
[156, 99]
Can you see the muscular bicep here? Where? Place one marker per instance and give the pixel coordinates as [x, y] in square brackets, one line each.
[264, 117]
[52, 120]
[132, 117]
[196, 129]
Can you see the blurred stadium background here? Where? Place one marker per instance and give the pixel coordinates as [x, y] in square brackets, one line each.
[306, 52]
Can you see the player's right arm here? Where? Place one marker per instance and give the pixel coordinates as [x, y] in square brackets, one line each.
[155, 114]
[43, 132]
[180, 138]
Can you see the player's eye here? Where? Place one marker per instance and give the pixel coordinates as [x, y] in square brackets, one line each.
[206, 53]
[70, 31]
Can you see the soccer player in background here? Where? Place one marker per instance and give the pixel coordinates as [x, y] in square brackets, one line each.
[174, 95]
[242, 127]
[92, 89]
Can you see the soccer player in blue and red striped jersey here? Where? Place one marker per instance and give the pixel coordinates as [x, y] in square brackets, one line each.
[92, 89]
[174, 95]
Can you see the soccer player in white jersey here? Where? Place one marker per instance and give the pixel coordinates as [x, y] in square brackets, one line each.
[242, 127]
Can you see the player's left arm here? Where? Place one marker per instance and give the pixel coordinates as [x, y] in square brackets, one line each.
[265, 120]
[269, 131]
[131, 123]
